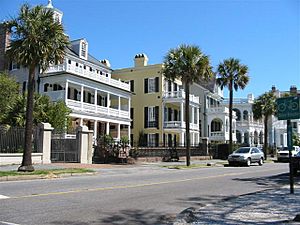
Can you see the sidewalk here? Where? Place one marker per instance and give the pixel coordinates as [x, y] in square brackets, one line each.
[272, 206]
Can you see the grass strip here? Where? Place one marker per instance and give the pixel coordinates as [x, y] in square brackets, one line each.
[45, 172]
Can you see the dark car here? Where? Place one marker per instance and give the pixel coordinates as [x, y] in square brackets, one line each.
[296, 163]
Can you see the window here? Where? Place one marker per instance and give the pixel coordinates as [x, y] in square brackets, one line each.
[152, 140]
[83, 49]
[151, 116]
[151, 85]
[132, 85]
[14, 66]
[69, 61]
[131, 116]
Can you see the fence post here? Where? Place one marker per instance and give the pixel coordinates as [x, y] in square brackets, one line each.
[205, 144]
[85, 144]
[44, 141]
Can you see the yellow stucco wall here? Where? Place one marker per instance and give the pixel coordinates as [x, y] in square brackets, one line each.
[140, 99]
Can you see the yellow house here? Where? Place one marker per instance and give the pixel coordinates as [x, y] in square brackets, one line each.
[157, 109]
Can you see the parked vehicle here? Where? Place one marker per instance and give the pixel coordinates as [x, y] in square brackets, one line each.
[246, 156]
[283, 153]
[296, 163]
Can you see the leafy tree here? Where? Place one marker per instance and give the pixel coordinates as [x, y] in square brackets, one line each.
[233, 75]
[37, 40]
[190, 64]
[296, 139]
[264, 107]
[9, 91]
[55, 113]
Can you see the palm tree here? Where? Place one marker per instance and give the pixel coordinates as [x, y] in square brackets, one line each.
[234, 76]
[264, 107]
[37, 40]
[190, 64]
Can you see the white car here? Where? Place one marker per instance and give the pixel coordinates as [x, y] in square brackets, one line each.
[283, 153]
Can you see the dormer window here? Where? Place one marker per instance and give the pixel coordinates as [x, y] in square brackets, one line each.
[83, 51]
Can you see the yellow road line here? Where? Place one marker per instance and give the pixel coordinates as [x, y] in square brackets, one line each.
[128, 186]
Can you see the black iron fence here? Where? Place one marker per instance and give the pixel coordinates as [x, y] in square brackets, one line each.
[12, 139]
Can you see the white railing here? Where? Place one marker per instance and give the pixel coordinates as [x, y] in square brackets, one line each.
[70, 68]
[217, 134]
[96, 109]
[180, 95]
[220, 109]
[178, 124]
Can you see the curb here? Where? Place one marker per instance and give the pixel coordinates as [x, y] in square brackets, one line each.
[49, 176]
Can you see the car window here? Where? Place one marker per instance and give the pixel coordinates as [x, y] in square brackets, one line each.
[242, 150]
[254, 150]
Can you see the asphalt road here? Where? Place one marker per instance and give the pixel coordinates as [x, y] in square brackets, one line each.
[136, 195]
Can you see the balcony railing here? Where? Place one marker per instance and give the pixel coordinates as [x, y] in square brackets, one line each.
[69, 68]
[180, 95]
[96, 109]
[220, 109]
[179, 125]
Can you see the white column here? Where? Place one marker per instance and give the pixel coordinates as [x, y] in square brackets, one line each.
[119, 131]
[119, 103]
[66, 91]
[108, 100]
[193, 114]
[81, 97]
[129, 106]
[81, 122]
[181, 138]
[95, 97]
[181, 113]
[95, 128]
[129, 131]
[107, 128]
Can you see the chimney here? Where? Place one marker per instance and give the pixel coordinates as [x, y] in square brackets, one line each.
[250, 98]
[293, 90]
[140, 60]
[273, 88]
[105, 62]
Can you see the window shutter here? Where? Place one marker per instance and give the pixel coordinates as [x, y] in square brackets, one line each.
[105, 101]
[69, 93]
[131, 116]
[157, 116]
[156, 139]
[146, 85]
[132, 85]
[175, 115]
[146, 117]
[156, 84]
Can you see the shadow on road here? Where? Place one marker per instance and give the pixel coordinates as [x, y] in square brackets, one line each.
[271, 181]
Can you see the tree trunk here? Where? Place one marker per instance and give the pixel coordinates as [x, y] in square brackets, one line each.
[230, 115]
[187, 123]
[26, 165]
[265, 136]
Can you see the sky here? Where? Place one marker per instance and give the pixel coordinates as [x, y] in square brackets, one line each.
[263, 34]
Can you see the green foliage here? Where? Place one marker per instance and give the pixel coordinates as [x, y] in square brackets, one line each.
[9, 91]
[188, 63]
[232, 74]
[55, 113]
[124, 141]
[264, 105]
[36, 38]
[296, 139]
[58, 116]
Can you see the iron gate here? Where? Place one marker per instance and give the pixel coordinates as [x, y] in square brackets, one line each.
[64, 150]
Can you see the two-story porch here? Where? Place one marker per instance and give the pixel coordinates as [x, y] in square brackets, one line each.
[218, 124]
[103, 106]
[174, 122]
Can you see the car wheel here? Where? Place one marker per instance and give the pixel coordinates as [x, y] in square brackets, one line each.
[231, 163]
[261, 162]
[248, 163]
